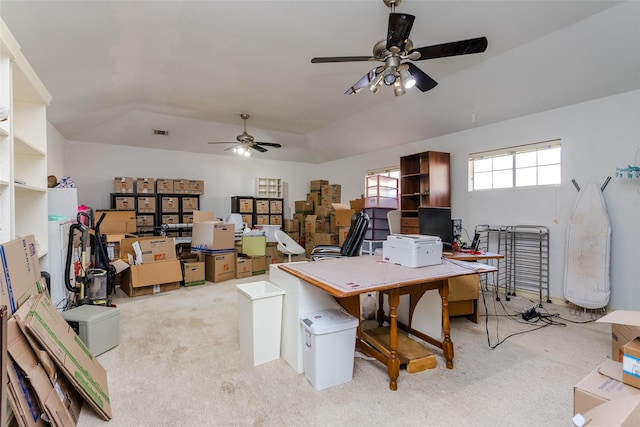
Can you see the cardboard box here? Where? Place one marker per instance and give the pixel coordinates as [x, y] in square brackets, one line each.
[247, 219]
[343, 232]
[304, 207]
[326, 239]
[243, 267]
[275, 206]
[203, 216]
[357, 204]
[145, 185]
[331, 193]
[262, 220]
[601, 385]
[243, 205]
[275, 219]
[20, 275]
[170, 219]
[189, 204]
[116, 221]
[212, 236]
[187, 218]
[624, 412]
[181, 186]
[125, 202]
[258, 265]
[193, 273]
[123, 184]
[254, 245]
[164, 186]
[315, 197]
[317, 184]
[273, 255]
[261, 206]
[313, 224]
[291, 226]
[169, 204]
[144, 220]
[342, 214]
[196, 186]
[631, 363]
[146, 205]
[625, 326]
[45, 325]
[220, 267]
[157, 249]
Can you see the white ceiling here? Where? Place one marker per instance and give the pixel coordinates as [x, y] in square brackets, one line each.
[119, 69]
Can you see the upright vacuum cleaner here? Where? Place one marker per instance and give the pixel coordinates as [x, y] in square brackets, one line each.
[95, 281]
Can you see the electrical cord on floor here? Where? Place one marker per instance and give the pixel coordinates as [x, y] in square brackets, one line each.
[546, 319]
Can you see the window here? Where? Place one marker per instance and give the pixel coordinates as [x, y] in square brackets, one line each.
[522, 166]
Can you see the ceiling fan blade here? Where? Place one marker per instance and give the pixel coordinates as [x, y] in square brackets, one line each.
[269, 144]
[340, 59]
[221, 142]
[462, 47]
[258, 148]
[423, 81]
[399, 28]
[362, 83]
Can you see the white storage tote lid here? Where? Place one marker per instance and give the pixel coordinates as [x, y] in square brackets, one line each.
[327, 321]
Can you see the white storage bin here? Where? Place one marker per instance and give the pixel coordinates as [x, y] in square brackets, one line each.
[97, 326]
[330, 340]
[260, 320]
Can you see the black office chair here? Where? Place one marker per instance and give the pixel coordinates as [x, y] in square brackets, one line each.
[351, 245]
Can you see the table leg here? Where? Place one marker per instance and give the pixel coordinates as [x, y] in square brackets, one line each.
[447, 344]
[393, 366]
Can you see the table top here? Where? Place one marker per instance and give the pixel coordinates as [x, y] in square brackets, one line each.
[348, 276]
[469, 256]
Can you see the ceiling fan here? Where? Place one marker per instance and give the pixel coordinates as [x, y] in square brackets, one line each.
[245, 142]
[398, 48]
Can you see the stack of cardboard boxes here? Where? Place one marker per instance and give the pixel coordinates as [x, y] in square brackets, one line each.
[322, 218]
[610, 394]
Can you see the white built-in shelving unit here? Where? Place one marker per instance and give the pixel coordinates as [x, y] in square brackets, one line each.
[23, 146]
[269, 187]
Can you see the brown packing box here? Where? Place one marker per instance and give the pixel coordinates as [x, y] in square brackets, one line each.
[202, 216]
[145, 186]
[125, 202]
[631, 363]
[193, 273]
[116, 221]
[261, 206]
[243, 267]
[164, 185]
[154, 276]
[212, 235]
[169, 204]
[196, 186]
[189, 204]
[220, 267]
[144, 220]
[46, 325]
[342, 214]
[304, 207]
[273, 255]
[275, 206]
[275, 219]
[170, 219]
[123, 184]
[61, 402]
[258, 265]
[342, 234]
[331, 193]
[181, 186]
[20, 275]
[357, 204]
[625, 326]
[146, 204]
[262, 220]
[624, 412]
[314, 197]
[317, 184]
[247, 219]
[326, 239]
[601, 385]
[291, 225]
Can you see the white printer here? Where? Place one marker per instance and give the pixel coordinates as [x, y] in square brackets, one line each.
[412, 250]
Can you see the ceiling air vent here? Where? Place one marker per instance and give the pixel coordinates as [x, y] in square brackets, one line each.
[160, 132]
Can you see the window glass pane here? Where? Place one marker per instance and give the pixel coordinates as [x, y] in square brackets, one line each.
[483, 165]
[524, 160]
[482, 180]
[549, 156]
[503, 162]
[525, 176]
[503, 179]
[548, 175]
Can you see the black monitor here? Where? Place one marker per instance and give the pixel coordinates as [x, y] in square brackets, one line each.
[436, 222]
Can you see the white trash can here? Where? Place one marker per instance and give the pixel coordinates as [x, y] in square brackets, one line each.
[260, 320]
[329, 348]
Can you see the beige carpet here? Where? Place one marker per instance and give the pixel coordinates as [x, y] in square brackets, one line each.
[179, 364]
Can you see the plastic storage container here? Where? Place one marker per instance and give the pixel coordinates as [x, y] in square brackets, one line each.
[329, 348]
[260, 320]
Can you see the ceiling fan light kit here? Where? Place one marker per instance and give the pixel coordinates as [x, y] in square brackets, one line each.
[398, 48]
[245, 143]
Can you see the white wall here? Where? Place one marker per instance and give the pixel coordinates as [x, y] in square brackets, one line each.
[597, 137]
[93, 167]
[56, 150]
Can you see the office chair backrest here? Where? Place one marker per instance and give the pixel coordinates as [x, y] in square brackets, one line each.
[393, 219]
[353, 242]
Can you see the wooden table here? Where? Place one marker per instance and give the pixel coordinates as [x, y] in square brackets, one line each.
[347, 278]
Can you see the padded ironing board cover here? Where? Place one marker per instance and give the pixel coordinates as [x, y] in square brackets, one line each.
[586, 277]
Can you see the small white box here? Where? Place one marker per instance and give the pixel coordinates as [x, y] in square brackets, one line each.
[412, 250]
[260, 320]
[330, 341]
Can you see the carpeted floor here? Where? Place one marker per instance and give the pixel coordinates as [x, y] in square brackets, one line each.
[179, 364]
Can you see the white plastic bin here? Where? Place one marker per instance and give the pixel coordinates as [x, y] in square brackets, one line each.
[330, 339]
[260, 320]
